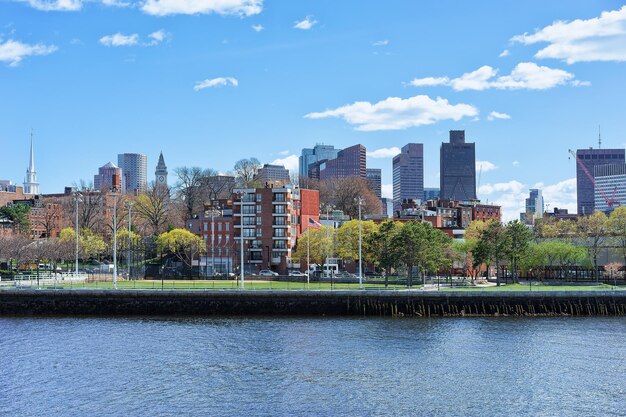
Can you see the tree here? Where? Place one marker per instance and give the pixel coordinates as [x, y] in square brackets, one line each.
[319, 247]
[183, 244]
[380, 242]
[153, 208]
[90, 244]
[246, 171]
[518, 240]
[410, 241]
[491, 245]
[347, 240]
[214, 186]
[188, 187]
[593, 229]
[19, 215]
[617, 229]
[343, 194]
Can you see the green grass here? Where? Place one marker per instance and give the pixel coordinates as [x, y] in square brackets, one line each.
[539, 287]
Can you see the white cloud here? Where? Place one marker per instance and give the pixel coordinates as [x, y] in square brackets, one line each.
[515, 163]
[216, 82]
[381, 43]
[497, 115]
[485, 166]
[157, 37]
[511, 186]
[120, 39]
[13, 52]
[386, 190]
[241, 8]
[257, 28]
[525, 75]
[600, 38]
[285, 152]
[384, 152]
[429, 81]
[56, 5]
[305, 24]
[561, 195]
[290, 162]
[115, 3]
[395, 113]
[504, 53]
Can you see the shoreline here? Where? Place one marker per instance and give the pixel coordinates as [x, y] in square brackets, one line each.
[364, 303]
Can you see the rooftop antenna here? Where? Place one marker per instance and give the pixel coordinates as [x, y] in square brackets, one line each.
[599, 138]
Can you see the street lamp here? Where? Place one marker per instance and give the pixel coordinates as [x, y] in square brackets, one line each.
[241, 195]
[77, 200]
[129, 206]
[359, 201]
[114, 192]
[214, 211]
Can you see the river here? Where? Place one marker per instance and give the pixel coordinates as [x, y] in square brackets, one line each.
[304, 366]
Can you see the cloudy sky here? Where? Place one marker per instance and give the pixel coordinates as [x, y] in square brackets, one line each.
[212, 81]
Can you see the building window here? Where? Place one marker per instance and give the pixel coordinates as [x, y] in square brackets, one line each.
[258, 208]
[206, 227]
[258, 197]
[259, 232]
[227, 227]
[219, 227]
[248, 209]
[279, 232]
[258, 221]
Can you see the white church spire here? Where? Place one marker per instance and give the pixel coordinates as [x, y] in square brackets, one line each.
[31, 186]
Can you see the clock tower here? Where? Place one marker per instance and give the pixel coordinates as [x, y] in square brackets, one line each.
[161, 172]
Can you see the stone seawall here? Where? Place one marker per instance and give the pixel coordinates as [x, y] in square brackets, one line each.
[309, 303]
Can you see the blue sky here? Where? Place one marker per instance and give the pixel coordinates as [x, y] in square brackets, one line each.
[209, 82]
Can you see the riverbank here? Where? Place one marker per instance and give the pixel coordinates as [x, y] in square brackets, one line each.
[390, 303]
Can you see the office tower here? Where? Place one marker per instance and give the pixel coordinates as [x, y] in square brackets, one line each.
[109, 176]
[273, 174]
[350, 162]
[318, 153]
[373, 176]
[408, 174]
[457, 168]
[160, 174]
[587, 160]
[534, 206]
[431, 193]
[134, 172]
[31, 185]
[610, 189]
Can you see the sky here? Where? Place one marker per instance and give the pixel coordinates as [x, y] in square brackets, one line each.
[209, 82]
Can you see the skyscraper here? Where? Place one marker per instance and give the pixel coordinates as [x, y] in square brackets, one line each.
[587, 160]
[408, 174]
[457, 166]
[318, 153]
[534, 206]
[350, 162]
[134, 172]
[273, 174]
[108, 176]
[160, 174]
[31, 186]
[374, 180]
[610, 187]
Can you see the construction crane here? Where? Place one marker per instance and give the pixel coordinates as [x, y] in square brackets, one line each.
[610, 201]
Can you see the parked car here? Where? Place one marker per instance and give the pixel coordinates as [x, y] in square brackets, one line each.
[297, 274]
[267, 273]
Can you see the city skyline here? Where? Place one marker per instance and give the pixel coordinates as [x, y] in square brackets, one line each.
[282, 77]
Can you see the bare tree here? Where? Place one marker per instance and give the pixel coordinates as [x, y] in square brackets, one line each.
[188, 187]
[215, 186]
[343, 194]
[245, 172]
[152, 208]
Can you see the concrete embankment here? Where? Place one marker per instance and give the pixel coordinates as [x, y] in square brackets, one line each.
[309, 303]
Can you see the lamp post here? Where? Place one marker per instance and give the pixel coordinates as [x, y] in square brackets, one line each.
[214, 211]
[359, 201]
[241, 195]
[129, 206]
[77, 200]
[114, 192]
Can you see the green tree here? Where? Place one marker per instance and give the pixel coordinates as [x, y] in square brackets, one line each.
[381, 243]
[91, 244]
[320, 245]
[617, 229]
[593, 229]
[19, 215]
[183, 244]
[518, 238]
[346, 239]
[491, 246]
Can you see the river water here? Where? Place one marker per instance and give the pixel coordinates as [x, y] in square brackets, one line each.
[304, 366]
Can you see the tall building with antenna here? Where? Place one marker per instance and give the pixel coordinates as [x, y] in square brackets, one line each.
[31, 186]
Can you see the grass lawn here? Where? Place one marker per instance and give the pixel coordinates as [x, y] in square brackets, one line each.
[539, 287]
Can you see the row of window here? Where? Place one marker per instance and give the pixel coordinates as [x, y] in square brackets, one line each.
[219, 226]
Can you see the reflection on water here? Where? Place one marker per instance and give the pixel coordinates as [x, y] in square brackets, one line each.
[303, 366]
